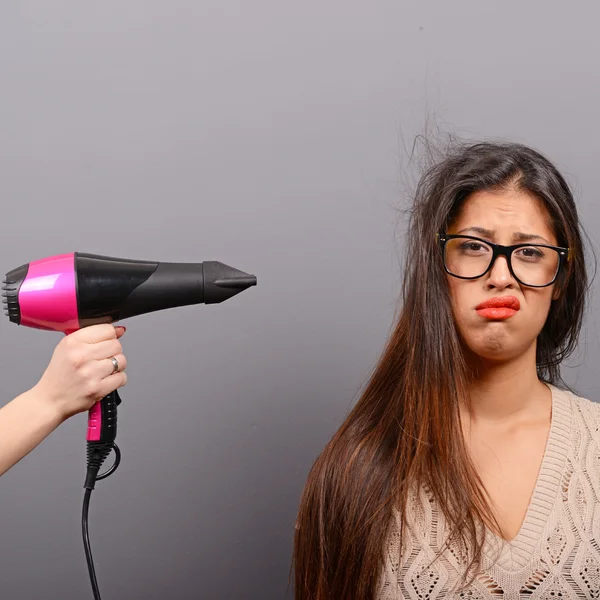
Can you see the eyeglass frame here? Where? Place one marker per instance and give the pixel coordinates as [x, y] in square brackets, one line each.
[564, 255]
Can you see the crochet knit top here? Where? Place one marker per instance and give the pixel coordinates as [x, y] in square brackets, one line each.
[556, 553]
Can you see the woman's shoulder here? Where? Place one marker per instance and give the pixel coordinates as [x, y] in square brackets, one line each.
[584, 403]
[583, 408]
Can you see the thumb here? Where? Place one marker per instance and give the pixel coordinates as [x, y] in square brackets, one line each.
[120, 330]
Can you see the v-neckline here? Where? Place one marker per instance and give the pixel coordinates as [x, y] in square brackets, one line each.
[516, 553]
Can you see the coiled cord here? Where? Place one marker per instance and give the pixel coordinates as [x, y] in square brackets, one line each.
[97, 452]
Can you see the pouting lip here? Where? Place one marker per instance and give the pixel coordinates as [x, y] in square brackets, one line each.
[500, 302]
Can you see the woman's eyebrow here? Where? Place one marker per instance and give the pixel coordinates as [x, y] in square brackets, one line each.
[480, 230]
[527, 237]
[517, 237]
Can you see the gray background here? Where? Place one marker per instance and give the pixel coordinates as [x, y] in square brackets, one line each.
[271, 136]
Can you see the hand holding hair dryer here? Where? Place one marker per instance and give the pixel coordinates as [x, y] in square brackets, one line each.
[69, 291]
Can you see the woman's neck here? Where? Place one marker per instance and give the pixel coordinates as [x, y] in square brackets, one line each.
[507, 393]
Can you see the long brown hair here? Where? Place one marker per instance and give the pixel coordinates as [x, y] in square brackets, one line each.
[405, 429]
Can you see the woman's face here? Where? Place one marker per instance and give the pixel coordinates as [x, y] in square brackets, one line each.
[502, 217]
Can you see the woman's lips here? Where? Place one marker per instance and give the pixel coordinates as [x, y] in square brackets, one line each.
[500, 307]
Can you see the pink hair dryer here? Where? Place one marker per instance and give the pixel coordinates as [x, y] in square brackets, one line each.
[70, 291]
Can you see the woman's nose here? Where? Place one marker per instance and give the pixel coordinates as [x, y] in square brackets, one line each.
[499, 276]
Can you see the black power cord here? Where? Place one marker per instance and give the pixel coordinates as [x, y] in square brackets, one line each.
[97, 452]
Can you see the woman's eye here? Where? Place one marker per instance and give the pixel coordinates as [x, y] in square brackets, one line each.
[473, 247]
[530, 253]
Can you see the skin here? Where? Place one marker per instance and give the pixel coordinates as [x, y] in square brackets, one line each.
[506, 419]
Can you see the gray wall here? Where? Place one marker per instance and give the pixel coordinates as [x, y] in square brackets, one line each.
[269, 136]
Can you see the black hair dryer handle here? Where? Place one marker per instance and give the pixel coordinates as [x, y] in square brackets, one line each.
[101, 435]
[102, 419]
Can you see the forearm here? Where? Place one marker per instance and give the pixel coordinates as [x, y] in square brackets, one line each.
[24, 423]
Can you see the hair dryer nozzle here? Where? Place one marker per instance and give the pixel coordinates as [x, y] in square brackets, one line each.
[222, 282]
[169, 285]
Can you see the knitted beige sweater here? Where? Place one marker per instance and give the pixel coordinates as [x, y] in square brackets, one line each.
[556, 553]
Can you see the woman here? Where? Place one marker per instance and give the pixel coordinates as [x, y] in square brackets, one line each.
[464, 467]
[81, 372]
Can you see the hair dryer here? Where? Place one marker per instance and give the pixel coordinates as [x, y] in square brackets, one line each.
[69, 291]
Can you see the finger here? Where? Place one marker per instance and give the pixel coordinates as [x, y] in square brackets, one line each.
[112, 382]
[104, 349]
[96, 333]
[107, 367]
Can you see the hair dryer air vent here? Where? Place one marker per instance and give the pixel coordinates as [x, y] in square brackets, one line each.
[10, 293]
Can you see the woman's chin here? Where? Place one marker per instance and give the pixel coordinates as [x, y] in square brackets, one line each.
[496, 346]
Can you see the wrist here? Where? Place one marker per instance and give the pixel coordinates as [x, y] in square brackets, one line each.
[49, 407]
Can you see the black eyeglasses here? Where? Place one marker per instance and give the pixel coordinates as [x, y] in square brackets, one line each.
[532, 265]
